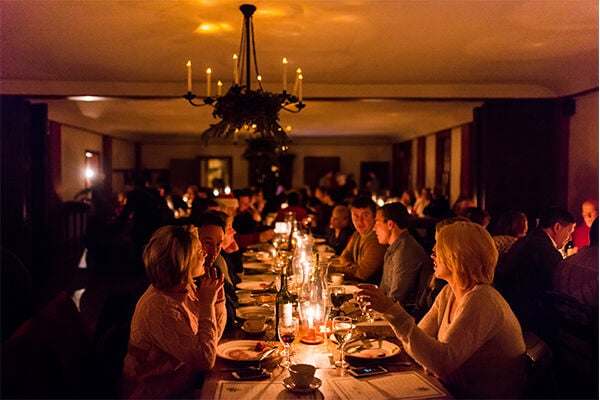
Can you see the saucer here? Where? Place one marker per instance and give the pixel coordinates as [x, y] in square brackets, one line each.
[264, 328]
[289, 384]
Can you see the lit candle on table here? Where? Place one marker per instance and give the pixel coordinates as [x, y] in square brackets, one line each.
[235, 69]
[189, 75]
[285, 64]
[219, 88]
[298, 72]
[208, 75]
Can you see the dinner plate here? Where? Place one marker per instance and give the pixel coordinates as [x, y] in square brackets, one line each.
[253, 285]
[319, 240]
[368, 349]
[250, 311]
[262, 330]
[243, 350]
[258, 266]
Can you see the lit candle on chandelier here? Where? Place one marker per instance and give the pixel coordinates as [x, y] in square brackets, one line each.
[236, 78]
[208, 75]
[189, 75]
[300, 78]
[298, 72]
[285, 64]
[219, 88]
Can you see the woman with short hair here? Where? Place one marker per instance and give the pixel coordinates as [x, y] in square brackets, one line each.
[470, 339]
[177, 323]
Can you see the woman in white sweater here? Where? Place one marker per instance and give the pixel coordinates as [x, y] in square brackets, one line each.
[177, 322]
[470, 338]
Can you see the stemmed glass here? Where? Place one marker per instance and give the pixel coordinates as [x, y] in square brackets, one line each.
[338, 296]
[288, 330]
[364, 306]
[342, 330]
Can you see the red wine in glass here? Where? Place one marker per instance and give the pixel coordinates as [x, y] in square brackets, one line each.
[337, 299]
[287, 338]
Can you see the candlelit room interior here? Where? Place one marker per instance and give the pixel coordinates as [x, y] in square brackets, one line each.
[283, 112]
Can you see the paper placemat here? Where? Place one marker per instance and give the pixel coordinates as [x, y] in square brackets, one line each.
[397, 385]
[239, 390]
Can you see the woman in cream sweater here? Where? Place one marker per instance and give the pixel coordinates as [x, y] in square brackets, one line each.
[470, 338]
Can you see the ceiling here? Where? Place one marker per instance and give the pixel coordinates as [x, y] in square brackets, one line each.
[387, 69]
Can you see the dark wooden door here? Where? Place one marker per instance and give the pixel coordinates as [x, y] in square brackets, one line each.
[402, 176]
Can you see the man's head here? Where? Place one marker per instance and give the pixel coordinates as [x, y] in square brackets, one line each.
[558, 224]
[589, 211]
[391, 220]
[211, 232]
[363, 214]
[244, 197]
[340, 217]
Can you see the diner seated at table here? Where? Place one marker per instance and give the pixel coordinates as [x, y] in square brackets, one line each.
[177, 323]
[246, 222]
[340, 230]
[213, 234]
[470, 339]
[362, 259]
[293, 205]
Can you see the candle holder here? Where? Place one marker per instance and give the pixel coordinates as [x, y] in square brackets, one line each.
[241, 106]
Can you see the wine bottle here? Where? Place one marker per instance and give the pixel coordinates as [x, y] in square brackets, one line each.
[284, 302]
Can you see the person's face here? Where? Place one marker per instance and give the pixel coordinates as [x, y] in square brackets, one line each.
[562, 234]
[198, 261]
[339, 220]
[383, 228]
[244, 202]
[589, 213]
[211, 237]
[363, 219]
[440, 271]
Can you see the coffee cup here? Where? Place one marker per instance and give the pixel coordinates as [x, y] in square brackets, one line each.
[255, 323]
[337, 278]
[302, 375]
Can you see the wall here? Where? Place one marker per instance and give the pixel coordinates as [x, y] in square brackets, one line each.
[158, 155]
[455, 163]
[74, 143]
[430, 161]
[583, 152]
[123, 157]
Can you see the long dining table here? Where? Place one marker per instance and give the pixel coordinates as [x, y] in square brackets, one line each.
[405, 378]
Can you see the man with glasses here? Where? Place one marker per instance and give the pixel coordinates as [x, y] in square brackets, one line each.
[362, 259]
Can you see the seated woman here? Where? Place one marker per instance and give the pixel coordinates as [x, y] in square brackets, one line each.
[176, 324]
[470, 339]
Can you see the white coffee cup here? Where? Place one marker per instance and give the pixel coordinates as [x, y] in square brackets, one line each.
[337, 278]
[302, 375]
[255, 323]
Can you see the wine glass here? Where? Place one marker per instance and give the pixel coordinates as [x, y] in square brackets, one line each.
[338, 296]
[288, 329]
[342, 330]
[364, 305]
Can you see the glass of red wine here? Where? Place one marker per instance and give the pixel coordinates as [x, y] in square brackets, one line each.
[288, 330]
[338, 296]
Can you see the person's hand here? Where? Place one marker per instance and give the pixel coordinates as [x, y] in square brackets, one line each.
[229, 243]
[210, 287]
[265, 236]
[375, 297]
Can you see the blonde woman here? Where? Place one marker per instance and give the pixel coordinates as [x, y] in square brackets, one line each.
[177, 323]
[470, 339]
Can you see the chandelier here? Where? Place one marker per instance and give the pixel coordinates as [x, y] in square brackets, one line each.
[241, 109]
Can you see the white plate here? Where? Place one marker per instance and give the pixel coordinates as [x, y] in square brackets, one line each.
[246, 299]
[289, 384]
[258, 266]
[253, 285]
[264, 256]
[247, 312]
[319, 240]
[368, 349]
[349, 289]
[242, 350]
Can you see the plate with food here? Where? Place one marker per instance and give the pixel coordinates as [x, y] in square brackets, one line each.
[245, 350]
[254, 285]
[255, 311]
[371, 349]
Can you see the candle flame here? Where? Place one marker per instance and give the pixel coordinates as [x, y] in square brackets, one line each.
[219, 83]
[209, 71]
[299, 71]
[285, 61]
[189, 63]
[259, 78]
[235, 57]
